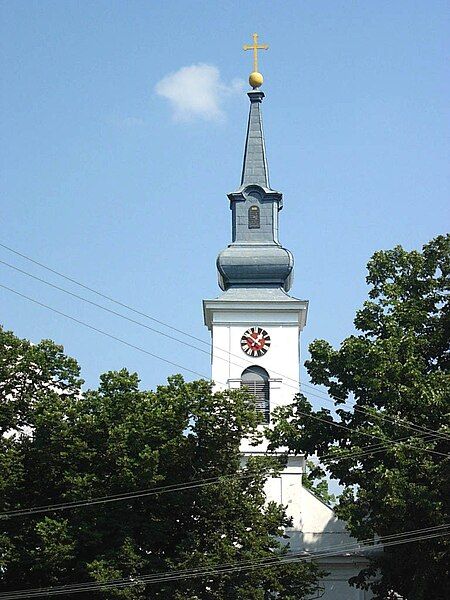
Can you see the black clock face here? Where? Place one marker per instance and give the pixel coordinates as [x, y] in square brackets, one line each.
[255, 341]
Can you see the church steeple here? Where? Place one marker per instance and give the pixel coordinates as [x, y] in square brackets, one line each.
[255, 258]
[254, 168]
[255, 330]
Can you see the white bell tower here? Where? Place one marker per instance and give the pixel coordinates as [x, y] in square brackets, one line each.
[274, 321]
[255, 325]
[255, 328]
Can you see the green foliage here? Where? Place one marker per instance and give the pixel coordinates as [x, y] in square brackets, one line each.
[397, 367]
[316, 482]
[60, 444]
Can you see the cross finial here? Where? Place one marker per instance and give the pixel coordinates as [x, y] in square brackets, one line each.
[255, 78]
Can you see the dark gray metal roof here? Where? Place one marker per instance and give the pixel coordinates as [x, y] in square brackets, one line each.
[255, 258]
[257, 294]
[267, 265]
[254, 169]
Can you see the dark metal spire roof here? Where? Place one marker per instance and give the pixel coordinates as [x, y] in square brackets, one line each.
[254, 169]
[255, 258]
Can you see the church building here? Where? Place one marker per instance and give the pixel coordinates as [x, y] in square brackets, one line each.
[255, 328]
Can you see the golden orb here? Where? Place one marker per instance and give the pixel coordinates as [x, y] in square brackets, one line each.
[255, 79]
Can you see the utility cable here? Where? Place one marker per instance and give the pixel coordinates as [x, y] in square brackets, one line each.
[104, 308]
[154, 330]
[105, 333]
[376, 414]
[140, 349]
[164, 334]
[33, 510]
[394, 420]
[266, 562]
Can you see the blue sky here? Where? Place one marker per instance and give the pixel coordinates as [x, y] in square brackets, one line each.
[107, 180]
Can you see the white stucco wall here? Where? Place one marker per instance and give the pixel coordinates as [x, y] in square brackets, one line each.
[315, 527]
[281, 360]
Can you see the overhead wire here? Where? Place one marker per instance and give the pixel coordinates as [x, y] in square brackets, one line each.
[376, 414]
[154, 491]
[128, 307]
[104, 308]
[193, 484]
[364, 451]
[358, 547]
[274, 564]
[371, 413]
[403, 537]
[371, 435]
[140, 349]
[105, 333]
[100, 294]
[375, 449]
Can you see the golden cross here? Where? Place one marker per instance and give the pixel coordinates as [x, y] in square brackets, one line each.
[255, 47]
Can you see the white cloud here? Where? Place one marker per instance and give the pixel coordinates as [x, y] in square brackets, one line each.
[197, 92]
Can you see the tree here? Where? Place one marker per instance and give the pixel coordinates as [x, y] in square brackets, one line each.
[315, 481]
[396, 371]
[62, 444]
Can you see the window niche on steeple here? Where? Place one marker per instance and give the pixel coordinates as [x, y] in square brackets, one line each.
[254, 219]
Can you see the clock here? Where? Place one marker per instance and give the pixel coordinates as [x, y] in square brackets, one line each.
[255, 341]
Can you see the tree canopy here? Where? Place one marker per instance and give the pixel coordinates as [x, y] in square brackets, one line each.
[59, 443]
[389, 381]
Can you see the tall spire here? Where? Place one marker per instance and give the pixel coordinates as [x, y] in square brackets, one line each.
[254, 168]
[255, 258]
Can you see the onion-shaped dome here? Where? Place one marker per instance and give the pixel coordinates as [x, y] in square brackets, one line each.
[262, 266]
[255, 258]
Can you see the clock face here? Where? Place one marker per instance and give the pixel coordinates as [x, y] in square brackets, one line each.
[255, 341]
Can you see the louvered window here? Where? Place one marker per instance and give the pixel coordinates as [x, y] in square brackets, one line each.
[256, 379]
[254, 221]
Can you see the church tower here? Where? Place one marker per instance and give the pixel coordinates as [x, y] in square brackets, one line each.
[255, 328]
[255, 324]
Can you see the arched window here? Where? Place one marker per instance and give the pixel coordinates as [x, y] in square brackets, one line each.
[256, 379]
[254, 221]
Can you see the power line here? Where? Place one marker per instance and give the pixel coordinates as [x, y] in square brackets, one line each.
[241, 566]
[105, 333]
[375, 413]
[371, 435]
[286, 559]
[101, 295]
[365, 451]
[124, 496]
[248, 564]
[160, 332]
[274, 564]
[32, 510]
[140, 349]
[109, 310]
[395, 420]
